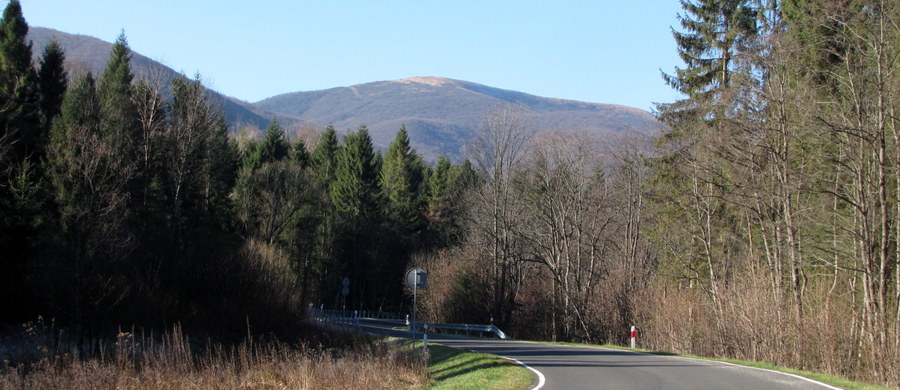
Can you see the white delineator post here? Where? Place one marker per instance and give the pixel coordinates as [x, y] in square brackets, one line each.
[633, 337]
[425, 337]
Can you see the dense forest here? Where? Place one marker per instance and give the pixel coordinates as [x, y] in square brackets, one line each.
[763, 224]
[126, 203]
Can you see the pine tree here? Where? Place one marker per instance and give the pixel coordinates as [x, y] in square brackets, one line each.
[52, 81]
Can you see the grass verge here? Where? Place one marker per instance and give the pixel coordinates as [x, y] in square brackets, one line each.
[824, 378]
[452, 369]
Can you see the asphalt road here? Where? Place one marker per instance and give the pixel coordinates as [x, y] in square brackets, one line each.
[577, 367]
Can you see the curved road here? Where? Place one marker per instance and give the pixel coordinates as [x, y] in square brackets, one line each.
[578, 367]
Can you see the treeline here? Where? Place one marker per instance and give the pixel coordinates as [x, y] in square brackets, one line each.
[763, 225]
[777, 194]
[124, 202]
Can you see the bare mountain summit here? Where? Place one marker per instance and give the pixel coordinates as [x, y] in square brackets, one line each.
[442, 114]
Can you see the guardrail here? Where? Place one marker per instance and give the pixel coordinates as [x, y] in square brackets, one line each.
[350, 318]
[317, 312]
[467, 328]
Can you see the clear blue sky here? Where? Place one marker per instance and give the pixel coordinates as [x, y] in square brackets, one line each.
[592, 50]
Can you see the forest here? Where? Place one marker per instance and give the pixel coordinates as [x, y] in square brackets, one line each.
[763, 224]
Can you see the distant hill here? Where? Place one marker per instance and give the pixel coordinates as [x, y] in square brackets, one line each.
[84, 53]
[441, 114]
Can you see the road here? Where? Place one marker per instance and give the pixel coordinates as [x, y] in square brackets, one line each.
[578, 367]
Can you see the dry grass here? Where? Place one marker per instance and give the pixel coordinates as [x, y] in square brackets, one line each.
[752, 325]
[173, 362]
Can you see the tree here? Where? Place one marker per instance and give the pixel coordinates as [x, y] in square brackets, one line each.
[273, 147]
[191, 124]
[716, 32]
[19, 120]
[271, 197]
[324, 156]
[150, 108]
[497, 149]
[117, 109]
[22, 144]
[566, 223]
[357, 200]
[89, 179]
[52, 82]
[299, 154]
[401, 183]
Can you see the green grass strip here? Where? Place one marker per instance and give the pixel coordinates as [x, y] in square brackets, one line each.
[452, 369]
[832, 380]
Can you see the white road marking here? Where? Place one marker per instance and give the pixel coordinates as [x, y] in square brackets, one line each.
[538, 373]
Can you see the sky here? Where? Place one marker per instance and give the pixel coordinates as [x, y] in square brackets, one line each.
[599, 51]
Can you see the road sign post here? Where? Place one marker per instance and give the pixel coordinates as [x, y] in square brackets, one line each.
[345, 290]
[415, 279]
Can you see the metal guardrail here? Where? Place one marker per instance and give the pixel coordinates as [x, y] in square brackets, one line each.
[352, 317]
[465, 328]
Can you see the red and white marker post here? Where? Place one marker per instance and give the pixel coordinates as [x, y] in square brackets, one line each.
[633, 337]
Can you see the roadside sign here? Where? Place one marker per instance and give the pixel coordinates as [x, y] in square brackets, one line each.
[416, 278]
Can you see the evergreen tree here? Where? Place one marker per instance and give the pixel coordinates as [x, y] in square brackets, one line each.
[221, 167]
[52, 81]
[401, 181]
[117, 109]
[356, 198]
[299, 154]
[439, 190]
[22, 143]
[274, 147]
[355, 191]
[716, 31]
[89, 187]
[324, 156]
[18, 95]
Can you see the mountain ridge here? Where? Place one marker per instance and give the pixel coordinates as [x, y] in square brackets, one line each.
[440, 114]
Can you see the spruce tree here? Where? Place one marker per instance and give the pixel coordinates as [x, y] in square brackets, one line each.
[401, 180]
[52, 81]
[22, 142]
[356, 198]
[274, 146]
[355, 191]
[19, 126]
[117, 109]
[716, 31]
[89, 190]
[324, 156]
[299, 154]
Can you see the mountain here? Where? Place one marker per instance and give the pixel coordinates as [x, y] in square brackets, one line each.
[84, 53]
[441, 114]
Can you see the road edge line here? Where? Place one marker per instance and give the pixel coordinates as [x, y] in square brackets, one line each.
[541, 379]
[825, 385]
